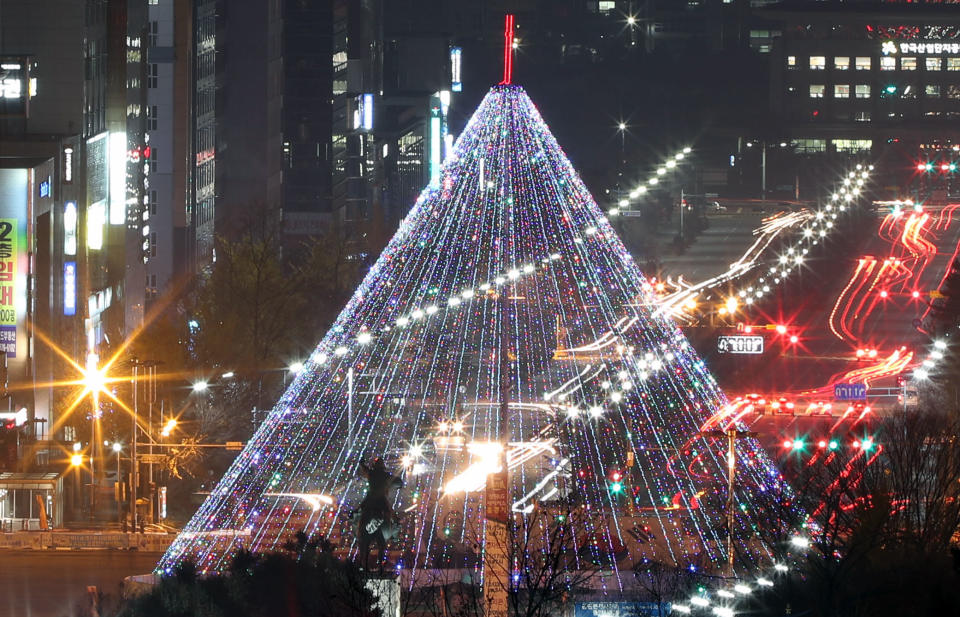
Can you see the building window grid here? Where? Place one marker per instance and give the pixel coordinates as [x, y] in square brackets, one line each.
[933, 64]
[932, 91]
[841, 63]
[841, 91]
[817, 91]
[151, 75]
[953, 64]
[888, 63]
[791, 62]
[151, 117]
[862, 63]
[818, 63]
[862, 91]
[908, 63]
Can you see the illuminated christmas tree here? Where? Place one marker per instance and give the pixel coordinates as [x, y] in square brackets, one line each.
[508, 252]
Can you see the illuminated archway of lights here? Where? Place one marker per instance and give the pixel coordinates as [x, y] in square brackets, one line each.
[506, 260]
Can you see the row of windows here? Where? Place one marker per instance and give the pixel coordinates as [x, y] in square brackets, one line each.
[862, 91]
[887, 63]
[809, 146]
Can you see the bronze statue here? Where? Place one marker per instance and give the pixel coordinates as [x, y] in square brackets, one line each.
[375, 518]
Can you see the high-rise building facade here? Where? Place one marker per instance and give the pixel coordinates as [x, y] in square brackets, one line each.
[74, 182]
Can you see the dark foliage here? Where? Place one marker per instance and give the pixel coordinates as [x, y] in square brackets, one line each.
[306, 579]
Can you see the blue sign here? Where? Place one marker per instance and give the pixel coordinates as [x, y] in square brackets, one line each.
[69, 288]
[621, 609]
[850, 392]
[45, 188]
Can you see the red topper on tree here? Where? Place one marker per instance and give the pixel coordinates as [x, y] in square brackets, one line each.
[508, 51]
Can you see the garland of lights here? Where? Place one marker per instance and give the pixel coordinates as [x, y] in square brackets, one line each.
[669, 165]
[606, 397]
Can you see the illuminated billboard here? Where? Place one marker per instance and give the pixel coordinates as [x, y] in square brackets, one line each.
[15, 189]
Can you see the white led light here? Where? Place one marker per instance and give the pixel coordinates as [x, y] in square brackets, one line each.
[454, 301]
[403, 321]
[417, 314]
[527, 269]
[341, 351]
[466, 295]
[432, 309]
[363, 338]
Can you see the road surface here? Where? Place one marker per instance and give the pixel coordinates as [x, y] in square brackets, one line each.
[54, 583]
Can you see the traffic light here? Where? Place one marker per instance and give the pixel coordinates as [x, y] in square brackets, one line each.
[616, 484]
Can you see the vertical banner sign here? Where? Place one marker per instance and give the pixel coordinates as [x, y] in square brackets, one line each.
[69, 288]
[8, 275]
[496, 562]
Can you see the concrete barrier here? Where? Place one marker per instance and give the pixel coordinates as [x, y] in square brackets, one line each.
[85, 540]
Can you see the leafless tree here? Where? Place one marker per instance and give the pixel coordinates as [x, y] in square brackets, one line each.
[921, 470]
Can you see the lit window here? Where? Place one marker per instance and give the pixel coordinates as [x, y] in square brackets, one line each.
[841, 63]
[605, 6]
[852, 145]
[791, 62]
[953, 64]
[953, 91]
[862, 63]
[862, 116]
[934, 64]
[841, 91]
[888, 63]
[932, 91]
[808, 146]
[817, 91]
[862, 91]
[908, 63]
[818, 63]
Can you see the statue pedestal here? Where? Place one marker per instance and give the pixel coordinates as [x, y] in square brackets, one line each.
[386, 593]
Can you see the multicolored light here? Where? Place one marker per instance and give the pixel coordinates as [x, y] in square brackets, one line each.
[507, 261]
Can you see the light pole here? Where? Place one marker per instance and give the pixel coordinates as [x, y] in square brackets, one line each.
[117, 448]
[732, 434]
[94, 380]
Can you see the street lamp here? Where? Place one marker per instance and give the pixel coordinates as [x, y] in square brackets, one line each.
[94, 380]
[168, 427]
[200, 386]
